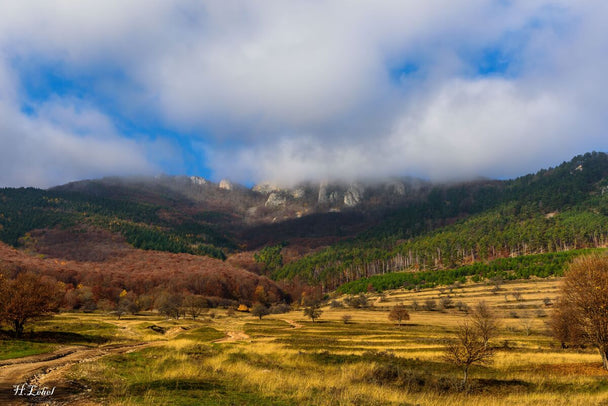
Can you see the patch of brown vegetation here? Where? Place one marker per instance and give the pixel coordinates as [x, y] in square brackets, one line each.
[578, 369]
[141, 272]
[84, 243]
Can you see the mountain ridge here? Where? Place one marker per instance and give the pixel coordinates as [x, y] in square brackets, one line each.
[324, 229]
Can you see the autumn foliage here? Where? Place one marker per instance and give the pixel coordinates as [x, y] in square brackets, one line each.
[25, 298]
[581, 314]
[145, 276]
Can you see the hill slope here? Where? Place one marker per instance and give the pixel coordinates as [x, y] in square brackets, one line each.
[328, 233]
[553, 210]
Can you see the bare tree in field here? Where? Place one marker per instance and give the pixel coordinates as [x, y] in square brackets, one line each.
[195, 305]
[469, 348]
[27, 297]
[472, 340]
[399, 313]
[581, 313]
[484, 322]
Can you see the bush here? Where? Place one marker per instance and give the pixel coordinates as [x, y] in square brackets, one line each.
[430, 305]
[463, 307]
[357, 301]
[280, 308]
[446, 303]
[334, 304]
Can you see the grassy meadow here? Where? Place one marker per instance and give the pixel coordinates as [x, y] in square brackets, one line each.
[286, 359]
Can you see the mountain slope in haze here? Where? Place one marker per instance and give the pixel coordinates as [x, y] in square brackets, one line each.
[556, 209]
[329, 232]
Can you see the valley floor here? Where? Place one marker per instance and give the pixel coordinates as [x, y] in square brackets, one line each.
[288, 360]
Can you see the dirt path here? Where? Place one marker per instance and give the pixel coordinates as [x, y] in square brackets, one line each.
[293, 323]
[48, 369]
[232, 336]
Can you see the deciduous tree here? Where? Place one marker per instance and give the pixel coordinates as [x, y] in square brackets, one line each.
[484, 322]
[399, 313]
[581, 315]
[27, 297]
[259, 310]
[195, 305]
[313, 312]
[469, 348]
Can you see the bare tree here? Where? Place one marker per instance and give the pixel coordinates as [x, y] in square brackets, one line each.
[582, 309]
[564, 326]
[469, 348]
[446, 303]
[527, 326]
[399, 313]
[484, 322]
[517, 296]
[195, 305]
[169, 305]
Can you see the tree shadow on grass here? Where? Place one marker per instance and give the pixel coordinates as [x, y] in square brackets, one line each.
[59, 337]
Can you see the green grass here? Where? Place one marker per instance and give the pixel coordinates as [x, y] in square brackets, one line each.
[141, 378]
[17, 349]
[73, 330]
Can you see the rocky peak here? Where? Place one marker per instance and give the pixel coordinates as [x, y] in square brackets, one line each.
[197, 180]
[275, 199]
[266, 188]
[353, 195]
[226, 184]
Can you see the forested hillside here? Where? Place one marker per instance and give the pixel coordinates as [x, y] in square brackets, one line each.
[553, 210]
[326, 234]
[143, 225]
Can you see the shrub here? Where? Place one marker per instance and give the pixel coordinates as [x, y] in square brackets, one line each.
[446, 303]
[430, 305]
[280, 308]
[334, 304]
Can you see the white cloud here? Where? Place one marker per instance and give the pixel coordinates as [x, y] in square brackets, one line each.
[62, 141]
[291, 90]
[36, 151]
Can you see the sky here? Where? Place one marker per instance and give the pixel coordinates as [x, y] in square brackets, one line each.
[286, 91]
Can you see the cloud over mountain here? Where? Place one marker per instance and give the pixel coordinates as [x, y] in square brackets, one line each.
[294, 90]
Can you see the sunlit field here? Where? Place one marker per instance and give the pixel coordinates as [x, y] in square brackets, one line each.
[287, 359]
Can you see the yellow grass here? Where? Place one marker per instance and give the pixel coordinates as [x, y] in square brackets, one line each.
[332, 363]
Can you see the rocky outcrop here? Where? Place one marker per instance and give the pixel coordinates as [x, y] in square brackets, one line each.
[266, 188]
[298, 193]
[353, 195]
[327, 195]
[396, 188]
[226, 184]
[197, 180]
[275, 199]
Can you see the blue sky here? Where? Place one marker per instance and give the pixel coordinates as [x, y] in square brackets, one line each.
[287, 91]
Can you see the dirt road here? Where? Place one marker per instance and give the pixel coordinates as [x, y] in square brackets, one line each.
[46, 370]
